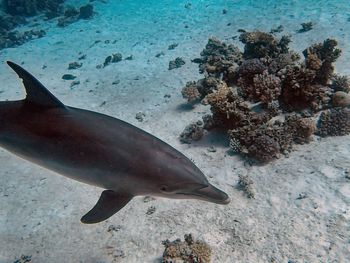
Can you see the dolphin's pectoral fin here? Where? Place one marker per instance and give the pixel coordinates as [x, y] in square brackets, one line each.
[110, 202]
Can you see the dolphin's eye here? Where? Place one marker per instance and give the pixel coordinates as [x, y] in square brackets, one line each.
[164, 188]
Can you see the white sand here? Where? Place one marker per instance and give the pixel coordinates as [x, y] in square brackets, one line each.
[40, 211]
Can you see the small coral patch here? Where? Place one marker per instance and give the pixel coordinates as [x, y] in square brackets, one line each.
[188, 251]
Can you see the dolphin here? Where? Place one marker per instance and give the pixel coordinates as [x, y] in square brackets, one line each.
[98, 150]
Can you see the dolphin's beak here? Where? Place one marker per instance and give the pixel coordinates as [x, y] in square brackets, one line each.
[212, 194]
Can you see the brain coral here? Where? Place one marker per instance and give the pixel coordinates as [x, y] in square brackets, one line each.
[267, 87]
[190, 91]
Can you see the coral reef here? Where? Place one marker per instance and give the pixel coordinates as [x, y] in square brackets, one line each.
[24, 259]
[189, 251]
[194, 91]
[278, 29]
[74, 65]
[306, 27]
[16, 38]
[8, 22]
[260, 44]
[300, 128]
[172, 46]
[264, 149]
[267, 87]
[340, 83]
[217, 59]
[334, 122]
[267, 98]
[9, 37]
[86, 11]
[301, 91]
[246, 184]
[208, 122]
[266, 141]
[114, 58]
[208, 85]
[14, 12]
[192, 132]
[228, 109]
[190, 91]
[327, 53]
[341, 99]
[177, 63]
[71, 14]
[52, 8]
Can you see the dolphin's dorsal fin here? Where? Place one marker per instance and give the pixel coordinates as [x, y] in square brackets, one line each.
[110, 202]
[36, 92]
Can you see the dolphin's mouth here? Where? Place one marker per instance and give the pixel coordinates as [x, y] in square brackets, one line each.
[211, 194]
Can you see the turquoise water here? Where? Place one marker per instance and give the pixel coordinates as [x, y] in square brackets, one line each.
[40, 211]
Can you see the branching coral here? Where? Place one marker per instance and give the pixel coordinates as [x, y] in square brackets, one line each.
[295, 80]
[267, 87]
[192, 132]
[264, 149]
[334, 122]
[301, 91]
[208, 122]
[189, 251]
[340, 83]
[313, 62]
[250, 67]
[283, 60]
[246, 73]
[219, 59]
[229, 110]
[260, 44]
[235, 145]
[273, 108]
[264, 142]
[247, 137]
[267, 99]
[325, 54]
[190, 91]
[301, 128]
[208, 85]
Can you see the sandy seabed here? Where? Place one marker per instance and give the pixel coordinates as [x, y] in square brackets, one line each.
[40, 211]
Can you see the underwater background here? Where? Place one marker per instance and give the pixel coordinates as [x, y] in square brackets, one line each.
[131, 60]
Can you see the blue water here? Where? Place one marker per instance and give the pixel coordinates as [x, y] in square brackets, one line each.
[40, 212]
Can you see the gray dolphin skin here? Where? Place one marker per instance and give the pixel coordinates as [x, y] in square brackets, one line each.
[98, 150]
